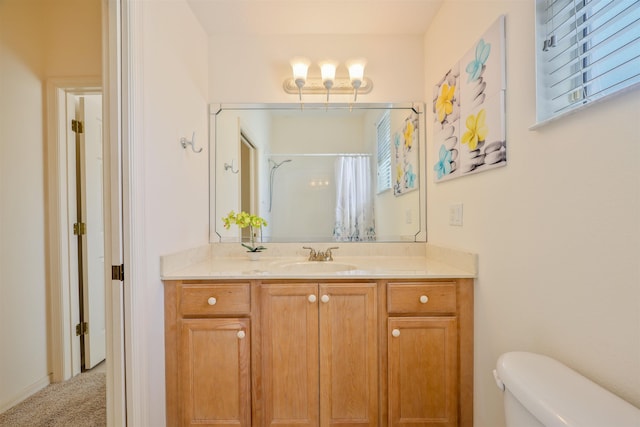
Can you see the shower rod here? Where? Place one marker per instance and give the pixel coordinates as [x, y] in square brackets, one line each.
[321, 155]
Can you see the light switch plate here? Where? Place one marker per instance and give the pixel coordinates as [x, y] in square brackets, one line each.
[455, 215]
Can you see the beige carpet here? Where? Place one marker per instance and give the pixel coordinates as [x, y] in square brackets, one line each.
[79, 402]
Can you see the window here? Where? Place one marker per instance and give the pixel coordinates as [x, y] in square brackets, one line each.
[384, 152]
[586, 50]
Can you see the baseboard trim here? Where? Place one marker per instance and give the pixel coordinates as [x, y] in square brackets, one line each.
[25, 393]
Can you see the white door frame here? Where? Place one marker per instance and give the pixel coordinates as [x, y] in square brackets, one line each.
[118, 115]
[115, 93]
[133, 255]
[59, 237]
[61, 270]
[127, 392]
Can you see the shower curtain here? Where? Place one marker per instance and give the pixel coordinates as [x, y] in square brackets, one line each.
[354, 200]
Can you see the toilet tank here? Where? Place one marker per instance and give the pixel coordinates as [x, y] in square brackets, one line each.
[540, 391]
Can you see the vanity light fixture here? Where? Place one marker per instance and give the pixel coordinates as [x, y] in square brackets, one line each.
[300, 66]
[328, 82]
[356, 74]
[328, 72]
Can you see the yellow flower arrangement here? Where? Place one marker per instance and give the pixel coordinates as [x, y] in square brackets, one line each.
[242, 220]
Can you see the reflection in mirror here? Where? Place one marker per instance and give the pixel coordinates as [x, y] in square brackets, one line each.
[320, 173]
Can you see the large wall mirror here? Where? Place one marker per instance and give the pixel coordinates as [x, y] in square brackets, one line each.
[320, 173]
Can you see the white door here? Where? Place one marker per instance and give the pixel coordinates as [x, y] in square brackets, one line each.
[93, 269]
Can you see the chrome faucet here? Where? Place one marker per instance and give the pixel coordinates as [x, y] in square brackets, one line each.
[320, 255]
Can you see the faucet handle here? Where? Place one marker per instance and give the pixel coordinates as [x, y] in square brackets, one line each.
[312, 253]
[328, 255]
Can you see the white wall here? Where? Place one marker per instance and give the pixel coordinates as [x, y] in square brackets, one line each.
[38, 39]
[73, 38]
[174, 205]
[558, 236]
[253, 68]
[23, 309]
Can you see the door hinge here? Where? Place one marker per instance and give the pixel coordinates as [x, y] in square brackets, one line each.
[77, 126]
[79, 228]
[82, 328]
[117, 272]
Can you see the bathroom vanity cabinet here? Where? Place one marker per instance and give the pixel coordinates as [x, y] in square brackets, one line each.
[208, 354]
[318, 345]
[319, 352]
[422, 354]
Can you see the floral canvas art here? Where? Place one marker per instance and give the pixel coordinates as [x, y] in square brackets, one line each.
[404, 155]
[469, 110]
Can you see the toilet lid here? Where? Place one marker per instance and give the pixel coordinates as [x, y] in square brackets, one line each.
[559, 396]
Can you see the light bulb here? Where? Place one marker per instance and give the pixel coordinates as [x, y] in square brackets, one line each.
[300, 66]
[356, 74]
[328, 71]
[356, 71]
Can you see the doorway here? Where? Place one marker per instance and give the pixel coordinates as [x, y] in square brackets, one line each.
[88, 295]
[115, 84]
[76, 227]
[248, 174]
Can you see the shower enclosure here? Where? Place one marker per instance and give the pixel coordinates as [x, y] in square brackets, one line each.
[309, 181]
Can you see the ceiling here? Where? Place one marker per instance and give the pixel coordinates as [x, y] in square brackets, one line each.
[285, 17]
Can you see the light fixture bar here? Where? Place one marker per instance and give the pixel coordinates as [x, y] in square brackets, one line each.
[315, 86]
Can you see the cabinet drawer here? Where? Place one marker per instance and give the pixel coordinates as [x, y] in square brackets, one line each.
[219, 299]
[421, 298]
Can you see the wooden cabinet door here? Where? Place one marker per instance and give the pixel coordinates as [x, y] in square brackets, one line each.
[423, 367]
[215, 380]
[348, 355]
[289, 341]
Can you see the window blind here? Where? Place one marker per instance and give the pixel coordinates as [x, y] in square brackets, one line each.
[384, 152]
[587, 49]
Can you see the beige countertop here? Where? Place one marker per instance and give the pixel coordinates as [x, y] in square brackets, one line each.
[289, 261]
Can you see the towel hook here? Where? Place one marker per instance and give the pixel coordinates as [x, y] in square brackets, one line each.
[184, 142]
[228, 166]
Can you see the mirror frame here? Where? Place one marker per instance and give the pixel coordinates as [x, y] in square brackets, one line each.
[418, 107]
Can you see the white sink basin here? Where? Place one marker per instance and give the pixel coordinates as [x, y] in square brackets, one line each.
[311, 267]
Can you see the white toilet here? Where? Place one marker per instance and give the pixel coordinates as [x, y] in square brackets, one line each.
[542, 392]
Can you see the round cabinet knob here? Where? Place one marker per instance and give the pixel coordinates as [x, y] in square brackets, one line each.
[324, 298]
[212, 301]
[312, 298]
[424, 299]
[395, 333]
[241, 334]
